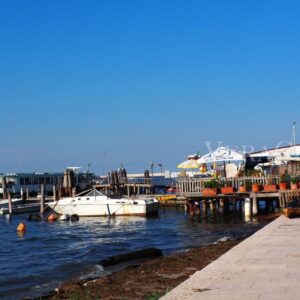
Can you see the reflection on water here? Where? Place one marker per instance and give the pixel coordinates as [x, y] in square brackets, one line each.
[52, 252]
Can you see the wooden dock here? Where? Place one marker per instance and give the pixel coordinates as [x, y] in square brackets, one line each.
[191, 189]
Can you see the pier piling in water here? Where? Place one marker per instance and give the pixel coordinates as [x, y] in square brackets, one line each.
[9, 203]
[254, 206]
[247, 207]
[54, 193]
[42, 198]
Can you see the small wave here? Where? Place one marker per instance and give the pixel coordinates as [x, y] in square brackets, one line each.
[96, 273]
[223, 240]
[93, 250]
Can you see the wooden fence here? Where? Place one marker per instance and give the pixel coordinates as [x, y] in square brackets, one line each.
[189, 186]
[287, 196]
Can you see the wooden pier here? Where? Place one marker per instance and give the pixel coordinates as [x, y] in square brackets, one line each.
[191, 189]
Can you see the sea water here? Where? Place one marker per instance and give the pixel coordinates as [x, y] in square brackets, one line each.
[48, 253]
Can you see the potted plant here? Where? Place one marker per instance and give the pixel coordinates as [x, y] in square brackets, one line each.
[256, 187]
[269, 186]
[245, 186]
[227, 188]
[242, 188]
[283, 185]
[294, 183]
[210, 188]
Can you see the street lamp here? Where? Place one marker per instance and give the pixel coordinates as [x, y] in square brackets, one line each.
[151, 166]
[161, 168]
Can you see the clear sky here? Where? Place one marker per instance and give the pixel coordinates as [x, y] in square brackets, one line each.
[143, 80]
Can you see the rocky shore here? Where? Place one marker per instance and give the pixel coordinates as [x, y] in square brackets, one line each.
[148, 280]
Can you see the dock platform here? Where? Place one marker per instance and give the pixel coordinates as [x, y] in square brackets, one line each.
[264, 266]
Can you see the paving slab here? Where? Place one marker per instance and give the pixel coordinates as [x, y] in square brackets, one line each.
[264, 266]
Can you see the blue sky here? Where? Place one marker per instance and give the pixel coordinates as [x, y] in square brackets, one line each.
[143, 80]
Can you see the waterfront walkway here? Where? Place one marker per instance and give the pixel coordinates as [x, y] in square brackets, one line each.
[264, 266]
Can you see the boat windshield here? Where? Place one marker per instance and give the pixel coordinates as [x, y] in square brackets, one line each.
[94, 193]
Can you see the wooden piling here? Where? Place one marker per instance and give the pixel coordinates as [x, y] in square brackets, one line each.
[204, 206]
[247, 207]
[42, 208]
[212, 205]
[9, 203]
[254, 205]
[73, 191]
[222, 205]
[54, 193]
[191, 207]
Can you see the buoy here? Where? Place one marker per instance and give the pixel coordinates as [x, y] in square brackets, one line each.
[64, 217]
[21, 227]
[52, 218]
[74, 218]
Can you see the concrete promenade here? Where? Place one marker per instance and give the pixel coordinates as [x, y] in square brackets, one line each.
[264, 266]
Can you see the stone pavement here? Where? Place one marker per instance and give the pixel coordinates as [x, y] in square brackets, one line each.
[264, 266]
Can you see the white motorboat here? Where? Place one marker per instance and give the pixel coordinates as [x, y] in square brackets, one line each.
[94, 203]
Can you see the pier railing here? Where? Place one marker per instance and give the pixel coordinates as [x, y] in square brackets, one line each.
[189, 186]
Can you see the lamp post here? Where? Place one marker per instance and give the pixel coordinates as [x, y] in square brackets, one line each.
[161, 166]
[151, 166]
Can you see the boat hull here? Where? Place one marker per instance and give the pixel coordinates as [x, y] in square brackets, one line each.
[4, 203]
[107, 208]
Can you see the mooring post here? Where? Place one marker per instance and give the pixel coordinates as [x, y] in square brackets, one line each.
[254, 206]
[42, 198]
[54, 193]
[222, 205]
[191, 207]
[247, 207]
[204, 206]
[187, 207]
[212, 205]
[73, 192]
[9, 203]
[197, 207]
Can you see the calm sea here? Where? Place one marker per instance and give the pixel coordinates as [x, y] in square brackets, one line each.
[48, 253]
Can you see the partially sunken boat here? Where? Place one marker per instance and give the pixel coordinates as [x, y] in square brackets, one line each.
[94, 203]
[14, 201]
